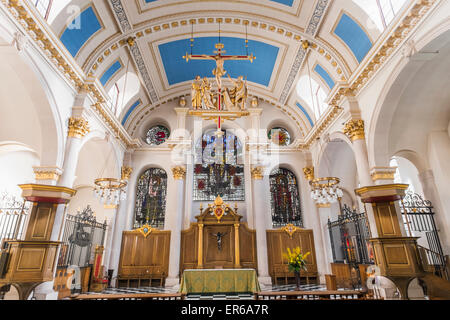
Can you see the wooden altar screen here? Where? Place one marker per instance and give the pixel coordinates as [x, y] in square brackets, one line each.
[144, 257]
[200, 246]
[290, 237]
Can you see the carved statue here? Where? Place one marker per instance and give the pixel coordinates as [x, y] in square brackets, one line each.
[219, 237]
[207, 96]
[239, 92]
[196, 93]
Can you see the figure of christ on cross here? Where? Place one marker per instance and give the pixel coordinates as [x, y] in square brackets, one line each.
[219, 71]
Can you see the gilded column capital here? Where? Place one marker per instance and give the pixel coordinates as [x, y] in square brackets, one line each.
[383, 173]
[257, 173]
[354, 129]
[179, 173]
[309, 173]
[47, 173]
[126, 172]
[78, 127]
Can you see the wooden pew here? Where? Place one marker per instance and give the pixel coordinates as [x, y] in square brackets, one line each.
[137, 296]
[312, 295]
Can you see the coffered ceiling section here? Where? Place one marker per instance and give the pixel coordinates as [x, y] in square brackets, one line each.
[154, 35]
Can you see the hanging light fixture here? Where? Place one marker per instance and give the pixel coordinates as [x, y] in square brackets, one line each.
[110, 191]
[325, 191]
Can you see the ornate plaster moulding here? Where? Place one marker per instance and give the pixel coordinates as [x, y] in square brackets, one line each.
[169, 23]
[31, 23]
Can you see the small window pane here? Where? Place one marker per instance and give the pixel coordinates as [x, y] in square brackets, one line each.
[157, 135]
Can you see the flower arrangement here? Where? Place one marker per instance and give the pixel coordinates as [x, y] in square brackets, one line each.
[296, 259]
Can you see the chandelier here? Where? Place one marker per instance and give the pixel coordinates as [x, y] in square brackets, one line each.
[325, 191]
[110, 191]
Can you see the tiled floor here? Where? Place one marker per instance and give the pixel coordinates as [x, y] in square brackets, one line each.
[245, 296]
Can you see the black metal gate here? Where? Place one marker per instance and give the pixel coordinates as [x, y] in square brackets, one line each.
[418, 217]
[82, 233]
[349, 236]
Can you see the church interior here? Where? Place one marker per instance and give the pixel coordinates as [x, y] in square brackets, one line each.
[212, 149]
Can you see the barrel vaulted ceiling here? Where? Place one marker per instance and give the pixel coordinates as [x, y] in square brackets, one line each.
[149, 38]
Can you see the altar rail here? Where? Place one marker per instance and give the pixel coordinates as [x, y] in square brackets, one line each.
[138, 296]
[312, 295]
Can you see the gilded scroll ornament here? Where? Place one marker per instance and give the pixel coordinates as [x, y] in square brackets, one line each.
[179, 173]
[354, 129]
[309, 173]
[126, 173]
[78, 127]
[257, 173]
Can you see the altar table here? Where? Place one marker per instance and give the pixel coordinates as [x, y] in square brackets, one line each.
[219, 281]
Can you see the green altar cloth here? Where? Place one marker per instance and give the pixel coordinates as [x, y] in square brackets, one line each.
[219, 281]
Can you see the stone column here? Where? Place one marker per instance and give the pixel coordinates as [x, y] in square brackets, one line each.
[354, 129]
[113, 242]
[118, 226]
[319, 229]
[260, 199]
[78, 128]
[174, 225]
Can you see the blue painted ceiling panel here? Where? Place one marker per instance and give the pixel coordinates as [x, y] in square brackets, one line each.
[325, 76]
[353, 36]
[110, 72]
[81, 31]
[177, 70]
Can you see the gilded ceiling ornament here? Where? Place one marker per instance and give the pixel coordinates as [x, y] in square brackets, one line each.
[78, 127]
[309, 173]
[179, 173]
[354, 129]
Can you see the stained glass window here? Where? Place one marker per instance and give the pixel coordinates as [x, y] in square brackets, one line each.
[218, 168]
[151, 198]
[280, 136]
[157, 135]
[285, 199]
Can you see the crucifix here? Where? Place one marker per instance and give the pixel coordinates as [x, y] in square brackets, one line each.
[219, 71]
[219, 237]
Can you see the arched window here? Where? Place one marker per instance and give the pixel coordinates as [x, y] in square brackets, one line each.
[285, 199]
[151, 198]
[218, 168]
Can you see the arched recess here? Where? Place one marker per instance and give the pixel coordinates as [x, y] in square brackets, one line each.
[28, 112]
[412, 116]
[285, 198]
[414, 101]
[97, 159]
[338, 160]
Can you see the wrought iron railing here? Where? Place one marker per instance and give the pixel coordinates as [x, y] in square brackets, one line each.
[13, 217]
[418, 217]
[82, 233]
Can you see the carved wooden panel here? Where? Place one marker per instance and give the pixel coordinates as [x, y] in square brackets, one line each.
[144, 256]
[277, 243]
[41, 222]
[189, 248]
[247, 246]
[386, 220]
[212, 256]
